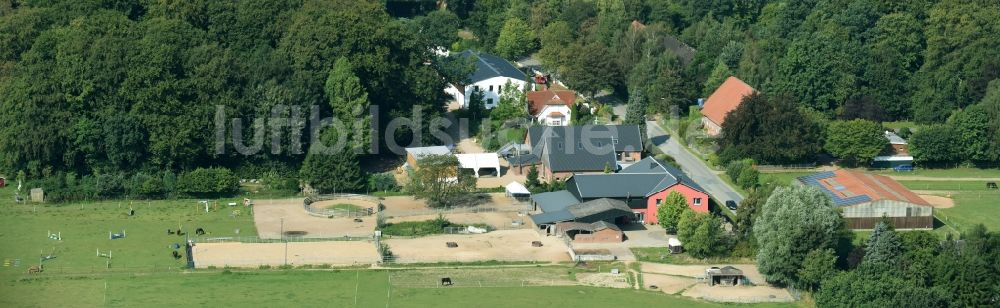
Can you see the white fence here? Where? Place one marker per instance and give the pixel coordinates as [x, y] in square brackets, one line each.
[329, 213]
[290, 239]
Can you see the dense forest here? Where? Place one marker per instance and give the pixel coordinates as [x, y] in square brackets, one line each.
[109, 87]
[123, 87]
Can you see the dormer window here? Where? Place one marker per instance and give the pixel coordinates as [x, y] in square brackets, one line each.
[614, 140]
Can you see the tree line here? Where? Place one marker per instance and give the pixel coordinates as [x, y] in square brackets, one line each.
[821, 60]
[107, 87]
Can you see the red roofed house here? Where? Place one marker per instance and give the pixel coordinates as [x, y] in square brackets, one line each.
[552, 106]
[726, 98]
[864, 199]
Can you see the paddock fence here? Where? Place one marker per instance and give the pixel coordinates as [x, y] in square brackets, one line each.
[290, 239]
[334, 213]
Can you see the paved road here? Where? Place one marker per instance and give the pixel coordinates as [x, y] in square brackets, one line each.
[694, 167]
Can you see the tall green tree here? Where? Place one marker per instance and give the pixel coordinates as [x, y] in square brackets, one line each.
[715, 79]
[959, 60]
[439, 181]
[635, 113]
[349, 102]
[771, 130]
[818, 265]
[668, 214]
[794, 221]
[855, 141]
[516, 39]
[701, 234]
[590, 69]
[935, 144]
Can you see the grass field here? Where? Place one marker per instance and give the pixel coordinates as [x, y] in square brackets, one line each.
[363, 288]
[143, 273]
[974, 204]
[85, 226]
[962, 172]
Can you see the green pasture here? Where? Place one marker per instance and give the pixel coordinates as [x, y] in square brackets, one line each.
[298, 288]
[84, 228]
[961, 172]
[974, 203]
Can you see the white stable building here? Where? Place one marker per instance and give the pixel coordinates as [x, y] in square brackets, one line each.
[492, 74]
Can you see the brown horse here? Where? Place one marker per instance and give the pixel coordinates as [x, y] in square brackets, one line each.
[35, 269]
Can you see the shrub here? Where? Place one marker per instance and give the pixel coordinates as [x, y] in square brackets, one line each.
[208, 182]
[385, 181]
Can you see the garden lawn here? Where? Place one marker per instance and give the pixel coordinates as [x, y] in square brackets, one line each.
[364, 288]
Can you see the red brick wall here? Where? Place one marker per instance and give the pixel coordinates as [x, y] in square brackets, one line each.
[689, 194]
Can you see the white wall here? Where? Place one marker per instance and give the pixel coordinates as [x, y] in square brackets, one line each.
[545, 120]
[484, 85]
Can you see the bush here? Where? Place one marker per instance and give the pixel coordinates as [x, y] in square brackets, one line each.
[424, 228]
[749, 178]
[385, 181]
[208, 182]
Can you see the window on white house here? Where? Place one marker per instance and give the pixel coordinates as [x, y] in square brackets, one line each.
[489, 101]
[499, 88]
[697, 201]
[557, 122]
[491, 88]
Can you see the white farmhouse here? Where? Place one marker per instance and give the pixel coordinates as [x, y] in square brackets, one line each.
[491, 75]
[551, 107]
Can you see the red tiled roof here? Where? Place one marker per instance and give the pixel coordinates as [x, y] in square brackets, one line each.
[555, 114]
[876, 187]
[726, 98]
[538, 99]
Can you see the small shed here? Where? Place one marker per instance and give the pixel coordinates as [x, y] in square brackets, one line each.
[726, 276]
[37, 195]
[415, 154]
[518, 191]
[674, 245]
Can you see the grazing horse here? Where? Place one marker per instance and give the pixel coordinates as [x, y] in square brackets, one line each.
[35, 269]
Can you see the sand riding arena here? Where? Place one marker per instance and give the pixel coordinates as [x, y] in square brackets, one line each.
[339, 230]
[294, 217]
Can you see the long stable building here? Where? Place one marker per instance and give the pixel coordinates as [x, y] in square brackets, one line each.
[866, 198]
[640, 189]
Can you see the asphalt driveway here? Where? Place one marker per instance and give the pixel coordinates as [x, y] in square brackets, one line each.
[694, 167]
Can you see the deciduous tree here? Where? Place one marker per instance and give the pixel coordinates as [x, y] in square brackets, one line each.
[794, 221]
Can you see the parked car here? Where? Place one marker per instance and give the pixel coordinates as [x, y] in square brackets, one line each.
[731, 205]
[903, 168]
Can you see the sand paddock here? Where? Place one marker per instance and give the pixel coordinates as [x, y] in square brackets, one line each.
[939, 202]
[253, 255]
[268, 215]
[667, 284]
[504, 245]
[499, 220]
